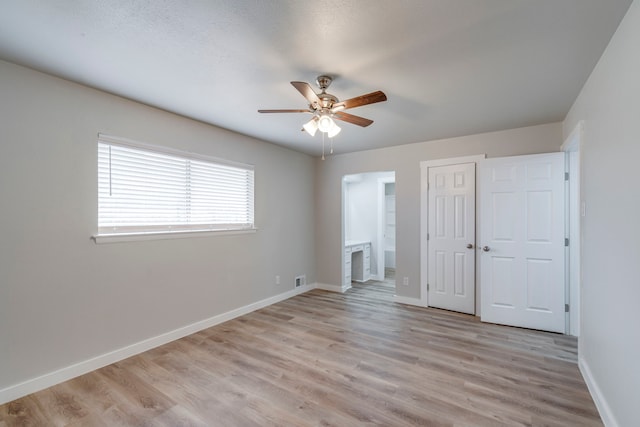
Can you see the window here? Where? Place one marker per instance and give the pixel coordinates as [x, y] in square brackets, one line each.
[152, 190]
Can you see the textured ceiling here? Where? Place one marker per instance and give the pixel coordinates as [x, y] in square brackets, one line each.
[448, 67]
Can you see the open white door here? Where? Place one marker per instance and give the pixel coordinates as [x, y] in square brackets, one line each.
[451, 254]
[522, 241]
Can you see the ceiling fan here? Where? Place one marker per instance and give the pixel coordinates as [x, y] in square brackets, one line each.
[326, 107]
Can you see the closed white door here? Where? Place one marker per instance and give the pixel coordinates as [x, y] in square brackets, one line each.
[522, 241]
[451, 225]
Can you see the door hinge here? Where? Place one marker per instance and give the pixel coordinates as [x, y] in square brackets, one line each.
[566, 242]
[427, 236]
[566, 308]
[566, 176]
[427, 287]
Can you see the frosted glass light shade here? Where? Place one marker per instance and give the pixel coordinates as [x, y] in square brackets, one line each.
[334, 130]
[311, 126]
[325, 123]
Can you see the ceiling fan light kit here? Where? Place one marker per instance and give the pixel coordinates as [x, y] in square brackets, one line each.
[325, 123]
[334, 130]
[311, 126]
[327, 108]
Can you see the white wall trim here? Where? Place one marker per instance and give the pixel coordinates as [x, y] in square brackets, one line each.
[424, 224]
[409, 301]
[165, 235]
[333, 288]
[343, 234]
[452, 161]
[598, 397]
[572, 146]
[382, 202]
[64, 374]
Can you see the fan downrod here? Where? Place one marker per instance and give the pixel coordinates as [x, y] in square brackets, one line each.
[324, 82]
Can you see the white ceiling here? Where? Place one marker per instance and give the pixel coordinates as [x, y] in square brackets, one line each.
[448, 67]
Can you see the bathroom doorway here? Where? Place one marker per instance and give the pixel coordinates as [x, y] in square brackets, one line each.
[369, 226]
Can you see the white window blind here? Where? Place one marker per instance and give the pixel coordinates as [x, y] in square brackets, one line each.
[143, 189]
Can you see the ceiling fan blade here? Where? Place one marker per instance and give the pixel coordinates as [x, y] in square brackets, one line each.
[307, 91]
[350, 118]
[284, 111]
[359, 101]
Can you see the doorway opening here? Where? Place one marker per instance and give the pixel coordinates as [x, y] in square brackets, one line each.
[369, 232]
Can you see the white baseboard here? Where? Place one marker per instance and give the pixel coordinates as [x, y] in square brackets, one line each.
[36, 384]
[333, 288]
[598, 398]
[409, 301]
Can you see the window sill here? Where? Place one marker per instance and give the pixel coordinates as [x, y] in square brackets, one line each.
[164, 235]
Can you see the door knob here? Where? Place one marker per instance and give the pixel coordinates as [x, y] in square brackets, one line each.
[485, 248]
[469, 246]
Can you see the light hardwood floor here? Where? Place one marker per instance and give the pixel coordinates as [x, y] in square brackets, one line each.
[326, 359]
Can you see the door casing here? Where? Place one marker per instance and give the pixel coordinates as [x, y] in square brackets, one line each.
[572, 146]
[381, 224]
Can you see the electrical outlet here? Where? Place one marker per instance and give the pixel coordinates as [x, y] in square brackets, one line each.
[277, 280]
[405, 281]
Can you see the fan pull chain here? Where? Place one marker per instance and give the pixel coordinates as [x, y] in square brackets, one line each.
[331, 151]
[322, 145]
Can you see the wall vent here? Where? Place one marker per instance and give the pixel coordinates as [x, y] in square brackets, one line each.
[301, 280]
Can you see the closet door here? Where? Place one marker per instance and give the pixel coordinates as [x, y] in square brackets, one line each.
[451, 254]
[522, 241]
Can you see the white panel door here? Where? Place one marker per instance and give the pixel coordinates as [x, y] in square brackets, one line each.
[451, 224]
[522, 241]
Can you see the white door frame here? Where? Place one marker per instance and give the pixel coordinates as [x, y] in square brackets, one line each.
[343, 211]
[572, 146]
[424, 220]
[381, 224]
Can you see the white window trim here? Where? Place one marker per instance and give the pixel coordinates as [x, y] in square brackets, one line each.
[100, 238]
[165, 235]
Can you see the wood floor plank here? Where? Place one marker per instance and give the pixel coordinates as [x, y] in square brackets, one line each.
[330, 359]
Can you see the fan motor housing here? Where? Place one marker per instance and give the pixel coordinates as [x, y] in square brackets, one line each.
[327, 100]
[323, 82]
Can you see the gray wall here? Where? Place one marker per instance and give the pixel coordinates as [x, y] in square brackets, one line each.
[609, 104]
[405, 161]
[64, 299]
